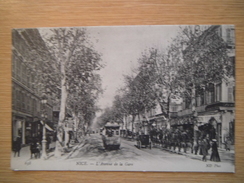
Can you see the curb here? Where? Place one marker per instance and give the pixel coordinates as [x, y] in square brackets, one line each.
[82, 144]
[185, 154]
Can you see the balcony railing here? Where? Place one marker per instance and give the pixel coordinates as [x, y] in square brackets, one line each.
[200, 108]
[173, 114]
[185, 112]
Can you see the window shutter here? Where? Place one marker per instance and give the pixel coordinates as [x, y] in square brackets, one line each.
[230, 94]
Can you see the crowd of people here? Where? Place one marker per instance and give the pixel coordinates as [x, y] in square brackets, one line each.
[179, 139]
[184, 140]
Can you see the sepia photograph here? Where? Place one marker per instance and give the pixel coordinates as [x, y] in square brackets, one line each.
[158, 98]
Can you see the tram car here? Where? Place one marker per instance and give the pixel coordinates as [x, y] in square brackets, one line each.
[111, 136]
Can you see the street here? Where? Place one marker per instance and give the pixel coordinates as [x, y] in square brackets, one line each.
[91, 155]
[93, 150]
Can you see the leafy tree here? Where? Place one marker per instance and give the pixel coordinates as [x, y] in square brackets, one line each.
[205, 61]
[114, 113]
[137, 96]
[106, 116]
[76, 61]
[160, 77]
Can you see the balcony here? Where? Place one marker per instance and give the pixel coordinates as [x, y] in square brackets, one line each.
[184, 112]
[200, 108]
[173, 114]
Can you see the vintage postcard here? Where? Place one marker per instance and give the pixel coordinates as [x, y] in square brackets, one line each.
[124, 98]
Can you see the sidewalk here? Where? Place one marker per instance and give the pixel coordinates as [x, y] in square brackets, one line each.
[25, 155]
[25, 150]
[225, 156]
[24, 161]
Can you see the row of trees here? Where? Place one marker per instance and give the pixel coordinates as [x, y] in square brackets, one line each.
[78, 85]
[184, 70]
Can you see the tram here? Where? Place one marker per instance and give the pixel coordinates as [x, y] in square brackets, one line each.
[111, 136]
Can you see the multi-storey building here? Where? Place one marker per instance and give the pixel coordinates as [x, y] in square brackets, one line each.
[216, 105]
[27, 84]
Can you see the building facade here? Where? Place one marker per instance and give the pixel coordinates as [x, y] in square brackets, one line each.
[215, 107]
[27, 86]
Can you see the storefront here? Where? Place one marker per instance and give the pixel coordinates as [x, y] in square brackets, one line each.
[18, 124]
[184, 124]
[24, 127]
[217, 122]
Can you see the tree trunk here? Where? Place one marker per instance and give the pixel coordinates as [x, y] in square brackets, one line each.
[165, 112]
[132, 125]
[194, 113]
[59, 144]
[146, 128]
[66, 137]
[168, 126]
[82, 126]
[76, 119]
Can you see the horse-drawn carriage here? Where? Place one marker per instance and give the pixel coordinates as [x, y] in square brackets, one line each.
[144, 141]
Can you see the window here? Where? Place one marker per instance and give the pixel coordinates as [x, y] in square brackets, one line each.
[28, 101]
[32, 106]
[230, 94]
[18, 70]
[200, 100]
[13, 65]
[24, 74]
[22, 101]
[13, 98]
[187, 102]
[230, 36]
[35, 107]
[32, 81]
[232, 131]
[211, 96]
[17, 99]
[218, 92]
[28, 80]
[174, 108]
[200, 97]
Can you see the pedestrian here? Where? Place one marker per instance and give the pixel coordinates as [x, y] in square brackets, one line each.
[204, 150]
[34, 149]
[227, 144]
[215, 154]
[196, 147]
[200, 143]
[48, 142]
[17, 146]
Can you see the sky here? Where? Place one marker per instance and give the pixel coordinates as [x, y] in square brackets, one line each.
[121, 47]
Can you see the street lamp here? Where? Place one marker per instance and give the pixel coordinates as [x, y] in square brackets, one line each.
[44, 117]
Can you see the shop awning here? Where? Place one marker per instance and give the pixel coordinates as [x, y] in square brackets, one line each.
[180, 120]
[201, 118]
[47, 127]
[204, 118]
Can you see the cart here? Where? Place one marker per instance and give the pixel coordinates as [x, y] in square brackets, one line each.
[144, 141]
